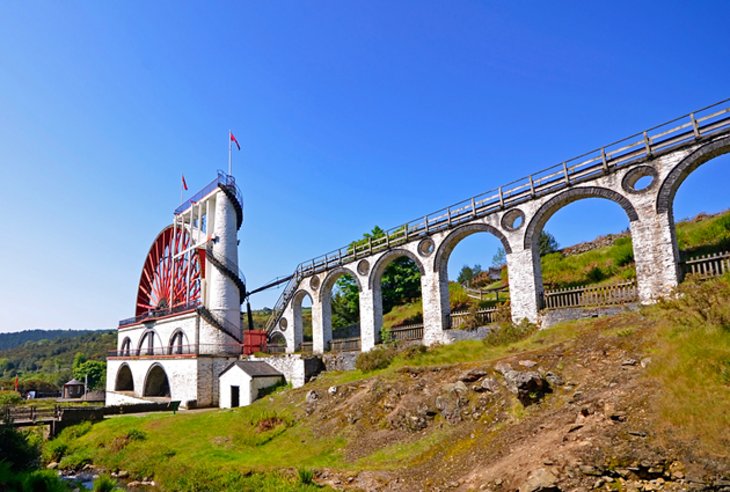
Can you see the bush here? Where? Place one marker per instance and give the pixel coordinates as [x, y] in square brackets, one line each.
[306, 477]
[44, 481]
[700, 304]
[378, 358]
[507, 333]
[412, 351]
[136, 435]
[10, 398]
[16, 450]
[105, 483]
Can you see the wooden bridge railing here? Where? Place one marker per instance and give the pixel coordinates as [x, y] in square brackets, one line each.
[708, 265]
[590, 296]
[22, 413]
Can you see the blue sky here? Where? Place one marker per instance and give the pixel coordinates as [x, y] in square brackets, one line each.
[350, 114]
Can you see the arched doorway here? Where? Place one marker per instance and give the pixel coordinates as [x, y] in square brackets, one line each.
[156, 383]
[340, 296]
[124, 380]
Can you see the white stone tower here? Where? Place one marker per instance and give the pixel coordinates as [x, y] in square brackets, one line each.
[187, 324]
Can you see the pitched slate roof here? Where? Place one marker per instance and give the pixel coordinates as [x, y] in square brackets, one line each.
[255, 369]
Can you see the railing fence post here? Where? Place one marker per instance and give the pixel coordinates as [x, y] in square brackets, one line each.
[604, 159]
[565, 173]
[695, 126]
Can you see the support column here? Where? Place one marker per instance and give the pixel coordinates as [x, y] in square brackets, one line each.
[370, 305]
[655, 254]
[321, 326]
[432, 293]
[525, 285]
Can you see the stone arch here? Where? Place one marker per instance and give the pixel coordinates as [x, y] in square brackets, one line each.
[149, 343]
[685, 167]
[277, 338]
[179, 342]
[126, 347]
[456, 236]
[298, 320]
[548, 209]
[156, 382]
[331, 278]
[124, 380]
[386, 258]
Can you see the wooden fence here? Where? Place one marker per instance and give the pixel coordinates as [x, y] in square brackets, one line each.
[498, 294]
[589, 296]
[706, 266]
[345, 344]
[484, 316]
[407, 332]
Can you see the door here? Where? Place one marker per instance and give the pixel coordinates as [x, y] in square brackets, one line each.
[235, 396]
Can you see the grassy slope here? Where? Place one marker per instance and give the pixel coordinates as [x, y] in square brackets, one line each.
[689, 377]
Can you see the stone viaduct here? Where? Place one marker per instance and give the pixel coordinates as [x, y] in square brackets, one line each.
[640, 173]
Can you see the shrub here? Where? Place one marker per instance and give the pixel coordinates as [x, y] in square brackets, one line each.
[10, 398]
[306, 477]
[378, 358]
[136, 435]
[44, 481]
[16, 450]
[700, 304]
[505, 334]
[105, 483]
[412, 351]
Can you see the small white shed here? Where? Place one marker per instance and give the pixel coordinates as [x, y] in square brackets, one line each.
[241, 382]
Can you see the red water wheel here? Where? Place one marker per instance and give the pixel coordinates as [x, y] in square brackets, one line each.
[163, 281]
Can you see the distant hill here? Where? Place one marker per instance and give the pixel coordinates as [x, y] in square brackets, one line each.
[47, 355]
[10, 340]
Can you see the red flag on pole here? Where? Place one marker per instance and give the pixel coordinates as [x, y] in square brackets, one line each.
[233, 139]
[184, 184]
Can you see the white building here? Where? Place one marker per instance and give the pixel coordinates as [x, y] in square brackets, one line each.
[242, 381]
[187, 323]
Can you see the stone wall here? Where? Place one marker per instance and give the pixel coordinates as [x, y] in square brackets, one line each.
[297, 369]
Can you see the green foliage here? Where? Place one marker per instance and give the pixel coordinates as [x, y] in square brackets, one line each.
[105, 483]
[95, 370]
[10, 398]
[500, 258]
[467, 274]
[306, 477]
[19, 452]
[701, 304]
[508, 333]
[547, 243]
[378, 358]
[44, 481]
[45, 365]
[136, 435]
[345, 302]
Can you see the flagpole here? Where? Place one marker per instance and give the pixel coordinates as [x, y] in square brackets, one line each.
[181, 191]
[229, 153]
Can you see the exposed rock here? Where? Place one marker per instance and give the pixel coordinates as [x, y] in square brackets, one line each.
[332, 390]
[123, 474]
[473, 375]
[527, 363]
[312, 396]
[451, 399]
[52, 465]
[529, 386]
[540, 480]
[629, 362]
[487, 384]
[645, 362]
[554, 379]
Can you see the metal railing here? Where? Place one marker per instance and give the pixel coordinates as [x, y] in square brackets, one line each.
[484, 316]
[154, 314]
[221, 179]
[706, 266]
[175, 349]
[587, 296]
[685, 130]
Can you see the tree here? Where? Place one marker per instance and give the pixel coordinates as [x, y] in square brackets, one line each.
[547, 243]
[467, 273]
[95, 370]
[400, 283]
[500, 258]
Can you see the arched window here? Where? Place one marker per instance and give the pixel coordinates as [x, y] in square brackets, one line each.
[125, 349]
[147, 344]
[177, 343]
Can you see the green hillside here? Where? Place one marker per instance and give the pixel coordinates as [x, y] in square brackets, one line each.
[50, 361]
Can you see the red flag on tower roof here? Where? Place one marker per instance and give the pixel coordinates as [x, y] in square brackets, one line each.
[233, 139]
[185, 185]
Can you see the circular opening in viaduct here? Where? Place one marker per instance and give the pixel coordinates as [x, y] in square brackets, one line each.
[363, 267]
[513, 220]
[640, 179]
[426, 247]
[283, 324]
[314, 283]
